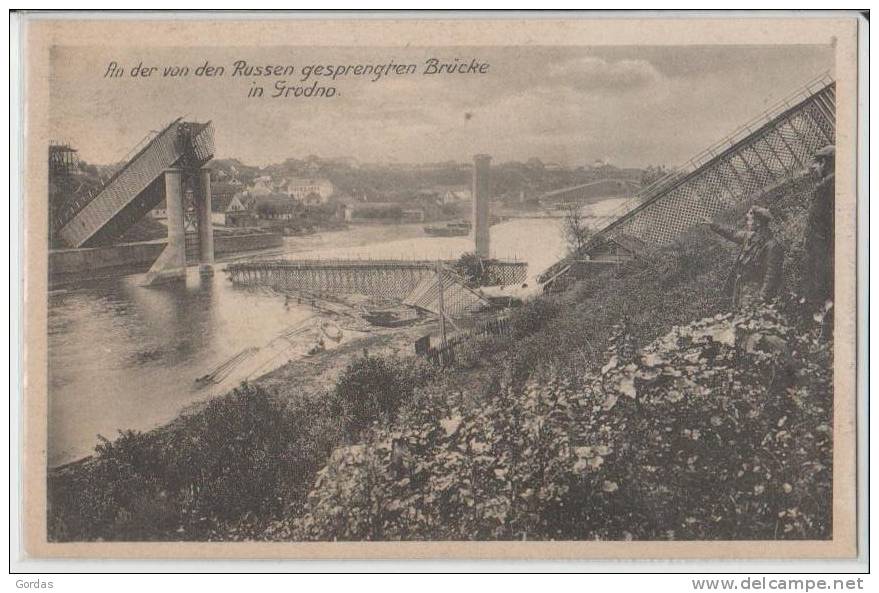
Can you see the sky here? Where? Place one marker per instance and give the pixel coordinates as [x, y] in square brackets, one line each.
[632, 106]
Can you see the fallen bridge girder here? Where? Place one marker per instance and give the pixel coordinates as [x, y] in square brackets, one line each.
[771, 154]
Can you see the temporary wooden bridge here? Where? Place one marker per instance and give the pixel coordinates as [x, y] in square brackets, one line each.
[416, 283]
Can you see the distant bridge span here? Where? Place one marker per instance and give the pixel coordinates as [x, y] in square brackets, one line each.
[593, 190]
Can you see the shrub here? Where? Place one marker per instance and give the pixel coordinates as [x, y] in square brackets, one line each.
[232, 459]
[477, 351]
[471, 267]
[576, 231]
[371, 389]
[533, 316]
[109, 494]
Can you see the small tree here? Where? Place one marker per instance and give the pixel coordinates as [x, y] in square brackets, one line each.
[577, 233]
[652, 174]
[471, 267]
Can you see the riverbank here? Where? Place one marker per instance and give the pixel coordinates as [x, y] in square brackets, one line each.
[147, 345]
[318, 372]
[289, 364]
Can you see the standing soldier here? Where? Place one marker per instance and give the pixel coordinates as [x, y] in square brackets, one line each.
[757, 274]
[818, 239]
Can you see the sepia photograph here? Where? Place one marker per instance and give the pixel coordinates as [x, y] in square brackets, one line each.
[442, 292]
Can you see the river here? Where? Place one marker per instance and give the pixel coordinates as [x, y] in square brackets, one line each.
[126, 356]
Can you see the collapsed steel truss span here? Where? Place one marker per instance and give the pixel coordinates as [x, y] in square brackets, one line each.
[138, 187]
[415, 283]
[743, 166]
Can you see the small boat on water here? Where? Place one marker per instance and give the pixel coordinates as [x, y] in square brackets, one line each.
[452, 229]
[331, 330]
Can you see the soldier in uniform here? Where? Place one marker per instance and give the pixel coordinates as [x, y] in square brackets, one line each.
[818, 239]
[757, 275]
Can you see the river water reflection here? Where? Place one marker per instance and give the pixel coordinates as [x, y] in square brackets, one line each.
[122, 355]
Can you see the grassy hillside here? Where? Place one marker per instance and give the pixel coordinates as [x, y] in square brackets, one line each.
[634, 406]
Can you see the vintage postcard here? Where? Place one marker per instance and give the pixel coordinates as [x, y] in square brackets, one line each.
[440, 288]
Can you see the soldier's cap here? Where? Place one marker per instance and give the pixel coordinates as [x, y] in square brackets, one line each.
[761, 213]
[828, 152]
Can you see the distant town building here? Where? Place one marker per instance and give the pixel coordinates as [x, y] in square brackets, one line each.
[413, 215]
[246, 209]
[160, 212]
[262, 186]
[239, 213]
[446, 194]
[273, 206]
[308, 191]
[456, 194]
[222, 193]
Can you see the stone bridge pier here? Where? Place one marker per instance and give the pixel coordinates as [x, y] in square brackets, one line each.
[481, 198]
[171, 264]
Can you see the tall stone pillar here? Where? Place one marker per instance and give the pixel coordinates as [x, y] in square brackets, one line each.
[205, 225]
[481, 197]
[176, 225]
[171, 264]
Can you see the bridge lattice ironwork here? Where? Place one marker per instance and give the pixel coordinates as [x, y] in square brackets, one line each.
[100, 217]
[752, 161]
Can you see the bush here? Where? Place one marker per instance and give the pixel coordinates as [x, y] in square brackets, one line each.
[109, 494]
[372, 388]
[478, 351]
[233, 459]
[533, 316]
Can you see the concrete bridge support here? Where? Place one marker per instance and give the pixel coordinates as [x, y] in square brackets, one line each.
[481, 197]
[171, 264]
[205, 225]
